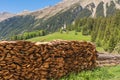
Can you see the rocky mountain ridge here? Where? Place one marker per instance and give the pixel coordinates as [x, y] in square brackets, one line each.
[67, 4]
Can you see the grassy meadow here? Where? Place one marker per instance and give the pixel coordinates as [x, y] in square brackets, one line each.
[71, 35]
[65, 36]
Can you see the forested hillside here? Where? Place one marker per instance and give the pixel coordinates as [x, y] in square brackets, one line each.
[20, 24]
[104, 31]
[15, 25]
[52, 18]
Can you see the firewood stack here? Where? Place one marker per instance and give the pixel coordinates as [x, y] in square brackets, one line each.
[23, 60]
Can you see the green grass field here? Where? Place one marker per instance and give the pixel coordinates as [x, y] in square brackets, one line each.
[104, 73]
[65, 36]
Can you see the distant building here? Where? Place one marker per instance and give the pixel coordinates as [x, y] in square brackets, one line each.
[64, 28]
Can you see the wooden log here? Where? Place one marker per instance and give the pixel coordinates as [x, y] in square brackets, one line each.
[105, 59]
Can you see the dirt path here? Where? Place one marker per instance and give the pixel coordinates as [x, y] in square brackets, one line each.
[108, 59]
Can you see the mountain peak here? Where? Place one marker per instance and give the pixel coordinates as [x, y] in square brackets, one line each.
[24, 12]
[5, 15]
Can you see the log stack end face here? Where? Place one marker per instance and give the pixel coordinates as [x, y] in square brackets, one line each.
[37, 61]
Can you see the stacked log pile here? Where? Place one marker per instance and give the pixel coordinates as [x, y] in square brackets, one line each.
[23, 60]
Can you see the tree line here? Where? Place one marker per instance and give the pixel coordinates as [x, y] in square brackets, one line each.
[28, 35]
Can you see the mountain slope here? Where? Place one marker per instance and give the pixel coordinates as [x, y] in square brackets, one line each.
[54, 17]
